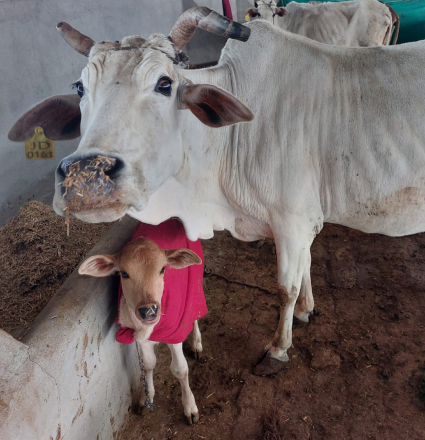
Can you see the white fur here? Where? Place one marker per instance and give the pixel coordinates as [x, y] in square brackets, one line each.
[338, 137]
[355, 23]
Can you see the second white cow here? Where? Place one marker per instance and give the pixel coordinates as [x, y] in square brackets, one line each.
[357, 23]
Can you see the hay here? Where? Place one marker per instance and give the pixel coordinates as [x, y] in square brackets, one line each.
[78, 179]
[36, 257]
[88, 181]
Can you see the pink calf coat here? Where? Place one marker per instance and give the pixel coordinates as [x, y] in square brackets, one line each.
[183, 300]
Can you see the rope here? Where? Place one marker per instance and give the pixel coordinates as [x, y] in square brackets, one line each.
[148, 402]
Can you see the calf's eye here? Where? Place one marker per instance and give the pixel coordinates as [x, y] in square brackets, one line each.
[125, 275]
[163, 86]
[162, 270]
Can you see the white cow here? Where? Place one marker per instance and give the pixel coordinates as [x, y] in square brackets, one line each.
[339, 138]
[357, 23]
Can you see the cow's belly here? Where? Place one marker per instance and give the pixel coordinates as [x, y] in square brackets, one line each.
[401, 213]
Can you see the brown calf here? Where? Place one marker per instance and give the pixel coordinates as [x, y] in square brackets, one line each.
[141, 265]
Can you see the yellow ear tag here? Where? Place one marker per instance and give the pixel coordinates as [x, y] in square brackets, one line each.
[39, 147]
[247, 17]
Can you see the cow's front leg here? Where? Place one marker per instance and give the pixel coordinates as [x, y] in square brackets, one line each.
[293, 254]
[305, 304]
[149, 360]
[180, 370]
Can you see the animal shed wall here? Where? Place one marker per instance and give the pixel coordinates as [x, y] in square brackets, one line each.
[68, 377]
[37, 63]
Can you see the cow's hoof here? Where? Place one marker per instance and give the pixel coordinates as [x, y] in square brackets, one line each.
[300, 322]
[302, 315]
[266, 365]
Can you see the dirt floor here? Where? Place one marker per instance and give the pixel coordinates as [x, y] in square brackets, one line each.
[357, 370]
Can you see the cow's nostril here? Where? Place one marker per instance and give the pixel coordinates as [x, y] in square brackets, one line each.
[93, 166]
[60, 173]
[113, 170]
[63, 167]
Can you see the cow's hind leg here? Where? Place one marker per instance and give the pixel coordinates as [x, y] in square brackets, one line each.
[195, 340]
[293, 254]
[180, 370]
[305, 304]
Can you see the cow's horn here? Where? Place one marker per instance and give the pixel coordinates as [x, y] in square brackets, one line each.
[75, 39]
[208, 20]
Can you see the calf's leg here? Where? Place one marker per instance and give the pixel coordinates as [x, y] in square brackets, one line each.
[149, 359]
[180, 370]
[195, 340]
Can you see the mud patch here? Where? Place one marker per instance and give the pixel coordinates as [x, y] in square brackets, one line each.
[417, 382]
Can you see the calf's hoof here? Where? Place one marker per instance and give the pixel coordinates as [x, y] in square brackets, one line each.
[266, 365]
[193, 418]
[143, 409]
[199, 358]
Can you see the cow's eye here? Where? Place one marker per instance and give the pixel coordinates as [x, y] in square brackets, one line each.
[162, 270]
[80, 88]
[125, 275]
[163, 86]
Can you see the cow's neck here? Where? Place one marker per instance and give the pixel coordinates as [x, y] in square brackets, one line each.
[194, 194]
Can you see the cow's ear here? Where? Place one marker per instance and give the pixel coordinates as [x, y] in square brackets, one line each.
[213, 106]
[281, 12]
[99, 266]
[253, 12]
[180, 258]
[59, 117]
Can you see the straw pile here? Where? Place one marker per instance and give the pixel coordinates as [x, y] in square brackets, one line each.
[87, 180]
[36, 257]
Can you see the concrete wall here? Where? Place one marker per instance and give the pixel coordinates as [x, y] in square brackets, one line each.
[37, 63]
[69, 378]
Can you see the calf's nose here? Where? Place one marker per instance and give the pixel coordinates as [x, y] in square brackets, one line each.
[148, 313]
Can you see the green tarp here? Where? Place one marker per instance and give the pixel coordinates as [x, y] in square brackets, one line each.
[412, 17]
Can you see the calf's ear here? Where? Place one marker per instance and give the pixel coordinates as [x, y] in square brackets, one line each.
[213, 106]
[59, 117]
[180, 258]
[98, 266]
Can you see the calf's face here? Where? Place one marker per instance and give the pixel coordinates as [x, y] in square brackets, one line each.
[141, 265]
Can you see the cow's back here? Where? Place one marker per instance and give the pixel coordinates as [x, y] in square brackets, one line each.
[318, 22]
[361, 23]
[345, 124]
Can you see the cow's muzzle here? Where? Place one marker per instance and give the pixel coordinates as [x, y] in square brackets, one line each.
[149, 314]
[89, 182]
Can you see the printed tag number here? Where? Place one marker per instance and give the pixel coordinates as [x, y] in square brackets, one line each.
[39, 147]
[39, 154]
